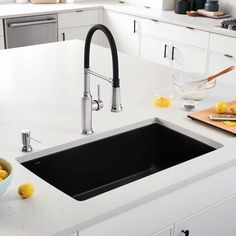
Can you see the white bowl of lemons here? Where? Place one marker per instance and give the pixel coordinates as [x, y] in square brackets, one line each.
[6, 172]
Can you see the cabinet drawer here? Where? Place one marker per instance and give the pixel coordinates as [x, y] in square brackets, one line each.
[78, 18]
[175, 33]
[223, 44]
[1, 27]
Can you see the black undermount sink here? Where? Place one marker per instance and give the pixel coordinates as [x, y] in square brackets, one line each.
[97, 167]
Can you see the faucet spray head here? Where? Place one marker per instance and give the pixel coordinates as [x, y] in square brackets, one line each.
[116, 101]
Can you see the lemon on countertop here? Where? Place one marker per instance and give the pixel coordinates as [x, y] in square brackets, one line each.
[162, 102]
[26, 190]
[233, 109]
[221, 107]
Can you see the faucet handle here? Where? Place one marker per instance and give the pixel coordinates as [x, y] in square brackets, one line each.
[99, 95]
[99, 101]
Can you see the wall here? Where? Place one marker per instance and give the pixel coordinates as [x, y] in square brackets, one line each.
[228, 6]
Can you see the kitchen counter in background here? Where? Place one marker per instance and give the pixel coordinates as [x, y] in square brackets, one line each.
[43, 92]
[201, 23]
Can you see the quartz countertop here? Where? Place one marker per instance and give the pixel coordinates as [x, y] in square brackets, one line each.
[40, 90]
[201, 23]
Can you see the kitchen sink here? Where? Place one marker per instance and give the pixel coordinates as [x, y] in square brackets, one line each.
[90, 169]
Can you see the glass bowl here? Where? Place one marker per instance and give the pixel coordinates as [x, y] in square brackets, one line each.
[186, 90]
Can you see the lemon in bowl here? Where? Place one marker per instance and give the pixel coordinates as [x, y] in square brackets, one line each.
[6, 172]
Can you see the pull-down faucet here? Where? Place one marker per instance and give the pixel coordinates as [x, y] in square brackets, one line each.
[88, 104]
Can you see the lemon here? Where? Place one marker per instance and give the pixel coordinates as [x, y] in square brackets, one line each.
[221, 107]
[233, 109]
[162, 102]
[3, 174]
[26, 190]
[1, 179]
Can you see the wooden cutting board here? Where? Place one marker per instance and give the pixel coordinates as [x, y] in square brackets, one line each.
[203, 116]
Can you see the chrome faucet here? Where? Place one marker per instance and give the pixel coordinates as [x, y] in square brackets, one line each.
[88, 104]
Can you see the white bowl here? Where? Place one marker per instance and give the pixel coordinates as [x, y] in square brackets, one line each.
[5, 183]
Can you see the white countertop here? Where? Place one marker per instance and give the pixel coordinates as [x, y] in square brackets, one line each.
[201, 23]
[40, 89]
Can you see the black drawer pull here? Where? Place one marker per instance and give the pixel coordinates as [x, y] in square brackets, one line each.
[173, 53]
[63, 37]
[186, 232]
[227, 55]
[134, 26]
[165, 51]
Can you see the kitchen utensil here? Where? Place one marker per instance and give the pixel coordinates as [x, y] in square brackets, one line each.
[5, 183]
[203, 116]
[223, 117]
[181, 81]
[201, 83]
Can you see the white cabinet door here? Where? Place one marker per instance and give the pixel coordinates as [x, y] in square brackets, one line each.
[187, 58]
[165, 232]
[78, 18]
[155, 50]
[218, 220]
[219, 62]
[76, 33]
[124, 29]
[2, 42]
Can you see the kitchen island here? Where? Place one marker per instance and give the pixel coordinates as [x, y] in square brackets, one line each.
[40, 89]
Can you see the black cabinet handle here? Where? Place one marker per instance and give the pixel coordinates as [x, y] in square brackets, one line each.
[78, 11]
[154, 20]
[173, 53]
[186, 232]
[134, 26]
[165, 50]
[227, 55]
[63, 37]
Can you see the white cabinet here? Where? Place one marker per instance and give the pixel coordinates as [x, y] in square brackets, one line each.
[77, 33]
[218, 62]
[155, 50]
[188, 58]
[165, 232]
[1, 35]
[124, 29]
[75, 25]
[177, 56]
[222, 54]
[218, 220]
[174, 46]
[2, 42]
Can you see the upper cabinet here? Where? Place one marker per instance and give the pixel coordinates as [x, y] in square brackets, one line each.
[75, 25]
[125, 30]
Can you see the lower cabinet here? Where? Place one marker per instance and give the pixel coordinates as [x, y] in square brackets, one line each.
[217, 62]
[155, 50]
[178, 56]
[218, 220]
[77, 33]
[2, 46]
[165, 232]
[188, 58]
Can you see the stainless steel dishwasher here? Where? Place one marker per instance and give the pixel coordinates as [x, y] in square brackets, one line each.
[30, 30]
